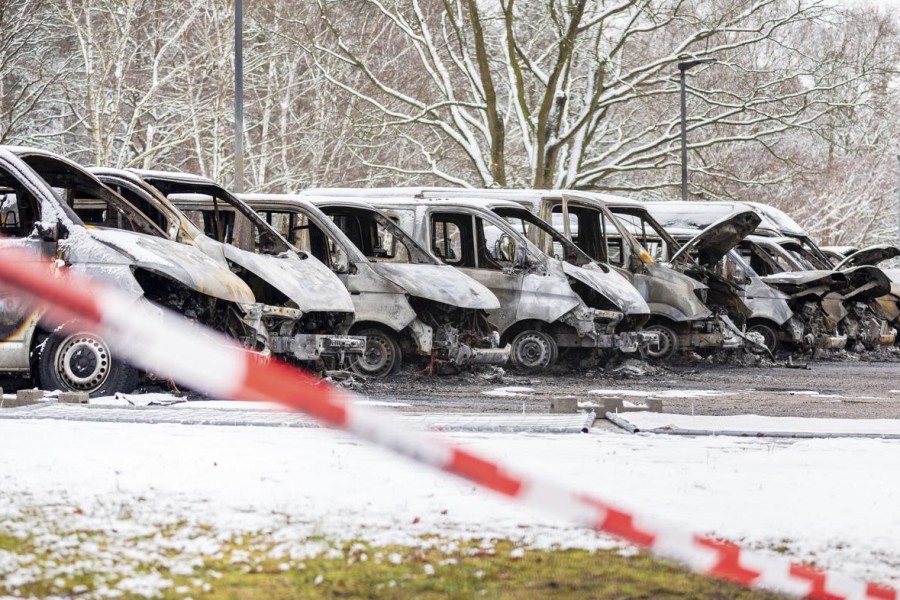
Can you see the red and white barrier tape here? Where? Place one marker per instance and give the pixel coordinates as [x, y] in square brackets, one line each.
[167, 344]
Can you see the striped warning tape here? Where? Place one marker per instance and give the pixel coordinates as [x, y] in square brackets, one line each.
[165, 343]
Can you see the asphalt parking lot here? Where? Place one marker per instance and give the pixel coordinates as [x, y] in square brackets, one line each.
[847, 387]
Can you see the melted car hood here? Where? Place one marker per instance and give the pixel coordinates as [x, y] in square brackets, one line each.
[185, 264]
[798, 281]
[440, 283]
[866, 283]
[307, 282]
[718, 239]
[612, 285]
[872, 255]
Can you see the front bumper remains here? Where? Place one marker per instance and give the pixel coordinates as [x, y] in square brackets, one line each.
[315, 346]
[467, 355]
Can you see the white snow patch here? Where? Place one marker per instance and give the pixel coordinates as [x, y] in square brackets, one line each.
[661, 393]
[810, 393]
[509, 392]
[757, 423]
[831, 501]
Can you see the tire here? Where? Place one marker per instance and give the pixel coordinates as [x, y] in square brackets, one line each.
[770, 336]
[668, 342]
[382, 355]
[534, 350]
[82, 362]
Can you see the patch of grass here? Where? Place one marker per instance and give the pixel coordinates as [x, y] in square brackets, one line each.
[251, 568]
[503, 572]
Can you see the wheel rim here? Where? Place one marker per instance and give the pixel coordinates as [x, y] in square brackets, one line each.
[769, 339]
[378, 358]
[533, 350]
[666, 345]
[83, 362]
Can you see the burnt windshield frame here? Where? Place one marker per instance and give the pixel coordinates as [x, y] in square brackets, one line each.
[417, 255]
[214, 191]
[645, 215]
[578, 256]
[60, 175]
[147, 193]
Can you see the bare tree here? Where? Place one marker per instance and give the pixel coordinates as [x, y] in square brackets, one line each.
[27, 70]
[578, 93]
[129, 56]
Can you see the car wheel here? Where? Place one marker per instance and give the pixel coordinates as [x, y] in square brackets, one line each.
[770, 337]
[381, 357]
[82, 362]
[534, 350]
[668, 342]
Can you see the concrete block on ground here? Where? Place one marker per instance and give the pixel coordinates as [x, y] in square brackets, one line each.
[23, 398]
[73, 397]
[613, 405]
[564, 405]
[29, 396]
[654, 405]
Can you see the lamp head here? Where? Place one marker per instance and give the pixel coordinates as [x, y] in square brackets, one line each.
[688, 64]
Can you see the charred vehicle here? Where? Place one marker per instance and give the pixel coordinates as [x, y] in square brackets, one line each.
[856, 307]
[606, 229]
[812, 291]
[304, 306]
[42, 194]
[406, 302]
[848, 258]
[545, 304]
[864, 308]
[831, 305]
[835, 254]
[679, 315]
[717, 250]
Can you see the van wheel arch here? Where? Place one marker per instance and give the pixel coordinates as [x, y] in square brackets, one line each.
[769, 330]
[384, 356]
[669, 342]
[54, 362]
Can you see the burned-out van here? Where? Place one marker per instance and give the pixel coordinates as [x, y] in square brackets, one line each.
[678, 303]
[40, 196]
[855, 298]
[304, 306]
[407, 303]
[859, 301]
[545, 304]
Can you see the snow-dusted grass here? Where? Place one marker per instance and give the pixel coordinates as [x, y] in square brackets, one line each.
[121, 499]
[253, 567]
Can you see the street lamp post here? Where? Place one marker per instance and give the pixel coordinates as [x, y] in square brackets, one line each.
[682, 67]
[238, 96]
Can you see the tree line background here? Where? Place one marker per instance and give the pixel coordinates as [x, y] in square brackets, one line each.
[800, 111]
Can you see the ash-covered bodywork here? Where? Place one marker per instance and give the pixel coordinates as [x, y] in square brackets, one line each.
[847, 256]
[865, 309]
[764, 311]
[865, 320]
[42, 196]
[305, 308]
[812, 291]
[868, 256]
[678, 312]
[412, 301]
[545, 303]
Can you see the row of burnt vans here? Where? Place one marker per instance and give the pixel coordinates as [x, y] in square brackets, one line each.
[369, 278]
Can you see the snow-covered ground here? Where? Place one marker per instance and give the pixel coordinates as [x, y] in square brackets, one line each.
[830, 501]
[763, 425]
